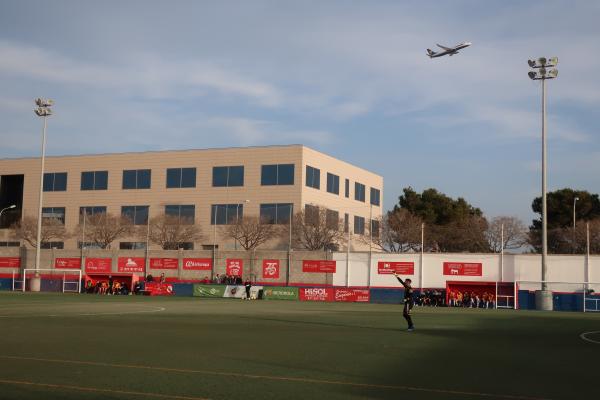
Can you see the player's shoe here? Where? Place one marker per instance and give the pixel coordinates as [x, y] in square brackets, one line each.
[411, 329]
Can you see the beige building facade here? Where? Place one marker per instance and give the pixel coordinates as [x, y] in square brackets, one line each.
[210, 185]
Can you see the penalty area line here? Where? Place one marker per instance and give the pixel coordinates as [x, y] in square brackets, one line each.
[587, 339]
[98, 390]
[156, 309]
[279, 378]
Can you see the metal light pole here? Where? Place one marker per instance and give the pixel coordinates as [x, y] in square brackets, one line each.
[43, 110]
[212, 273]
[7, 208]
[289, 264]
[422, 255]
[541, 72]
[237, 219]
[147, 262]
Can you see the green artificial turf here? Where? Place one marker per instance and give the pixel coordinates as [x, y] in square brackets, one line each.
[129, 347]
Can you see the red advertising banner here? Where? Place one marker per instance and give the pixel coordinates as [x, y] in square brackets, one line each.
[271, 269]
[197, 264]
[400, 267]
[131, 264]
[98, 265]
[72, 262]
[316, 294]
[353, 295]
[318, 266]
[234, 266]
[10, 262]
[164, 263]
[158, 289]
[464, 269]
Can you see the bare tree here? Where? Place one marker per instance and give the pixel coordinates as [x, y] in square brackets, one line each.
[316, 230]
[53, 230]
[399, 231]
[515, 233]
[103, 229]
[250, 232]
[171, 232]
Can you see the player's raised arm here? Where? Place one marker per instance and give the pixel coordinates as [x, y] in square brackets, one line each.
[399, 279]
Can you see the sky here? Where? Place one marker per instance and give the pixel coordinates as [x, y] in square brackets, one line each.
[348, 78]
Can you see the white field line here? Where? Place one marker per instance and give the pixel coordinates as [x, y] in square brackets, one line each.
[156, 309]
[585, 334]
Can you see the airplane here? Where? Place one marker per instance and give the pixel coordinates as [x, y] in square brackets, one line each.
[447, 50]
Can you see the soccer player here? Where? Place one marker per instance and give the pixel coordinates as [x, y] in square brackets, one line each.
[408, 301]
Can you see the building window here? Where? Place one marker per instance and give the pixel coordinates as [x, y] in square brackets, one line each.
[333, 183]
[186, 246]
[10, 244]
[52, 245]
[50, 213]
[228, 176]
[55, 182]
[277, 174]
[276, 213]
[185, 213]
[226, 214]
[311, 214]
[90, 211]
[137, 214]
[375, 228]
[132, 246]
[89, 245]
[359, 191]
[94, 180]
[346, 222]
[181, 177]
[359, 225]
[332, 219]
[375, 196]
[136, 178]
[347, 189]
[313, 177]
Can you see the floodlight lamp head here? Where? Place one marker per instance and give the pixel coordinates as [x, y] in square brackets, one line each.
[44, 102]
[531, 63]
[532, 75]
[553, 73]
[576, 198]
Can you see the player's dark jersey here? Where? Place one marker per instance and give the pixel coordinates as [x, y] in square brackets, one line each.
[408, 291]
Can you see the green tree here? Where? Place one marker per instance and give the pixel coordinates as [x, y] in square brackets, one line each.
[452, 225]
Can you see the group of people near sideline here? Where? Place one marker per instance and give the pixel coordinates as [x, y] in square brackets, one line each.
[106, 287]
[457, 298]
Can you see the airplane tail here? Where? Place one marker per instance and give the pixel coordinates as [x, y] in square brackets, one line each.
[430, 53]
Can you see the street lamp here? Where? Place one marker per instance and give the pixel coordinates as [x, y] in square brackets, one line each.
[7, 208]
[43, 110]
[543, 69]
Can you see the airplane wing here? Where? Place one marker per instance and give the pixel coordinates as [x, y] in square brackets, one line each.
[445, 48]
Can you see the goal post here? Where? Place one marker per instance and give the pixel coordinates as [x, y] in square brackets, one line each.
[53, 280]
[566, 296]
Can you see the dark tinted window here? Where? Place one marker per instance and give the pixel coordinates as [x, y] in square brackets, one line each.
[346, 222]
[130, 179]
[275, 213]
[375, 196]
[57, 213]
[313, 177]
[285, 174]
[94, 180]
[333, 183]
[236, 176]
[359, 225]
[359, 191]
[311, 214]
[332, 219]
[137, 214]
[225, 214]
[173, 177]
[55, 182]
[228, 176]
[143, 179]
[268, 175]
[347, 190]
[375, 228]
[52, 245]
[90, 211]
[87, 181]
[136, 179]
[185, 213]
[132, 245]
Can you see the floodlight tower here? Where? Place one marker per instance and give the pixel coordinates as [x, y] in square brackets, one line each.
[43, 110]
[543, 69]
